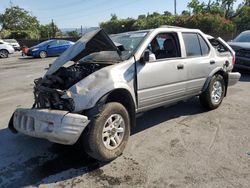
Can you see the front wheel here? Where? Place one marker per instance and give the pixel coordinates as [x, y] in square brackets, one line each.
[108, 133]
[43, 54]
[214, 94]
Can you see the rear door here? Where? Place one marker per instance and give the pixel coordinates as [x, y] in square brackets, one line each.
[199, 60]
[63, 45]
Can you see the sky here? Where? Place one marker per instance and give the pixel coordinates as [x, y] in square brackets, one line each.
[89, 13]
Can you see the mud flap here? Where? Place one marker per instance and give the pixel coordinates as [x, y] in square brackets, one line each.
[11, 125]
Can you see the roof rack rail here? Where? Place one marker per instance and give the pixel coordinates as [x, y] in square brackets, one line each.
[170, 26]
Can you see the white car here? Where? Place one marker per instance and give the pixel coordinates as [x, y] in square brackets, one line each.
[13, 43]
[5, 49]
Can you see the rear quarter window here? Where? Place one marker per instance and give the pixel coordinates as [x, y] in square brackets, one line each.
[204, 46]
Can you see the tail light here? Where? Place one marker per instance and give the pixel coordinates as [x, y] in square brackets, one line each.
[234, 58]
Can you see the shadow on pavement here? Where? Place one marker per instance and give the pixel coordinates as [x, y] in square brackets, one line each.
[59, 160]
[163, 114]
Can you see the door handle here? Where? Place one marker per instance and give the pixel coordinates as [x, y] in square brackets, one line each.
[179, 67]
[212, 62]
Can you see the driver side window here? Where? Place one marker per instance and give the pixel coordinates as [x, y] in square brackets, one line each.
[164, 46]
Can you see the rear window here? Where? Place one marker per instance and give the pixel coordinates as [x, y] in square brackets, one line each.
[192, 44]
[218, 45]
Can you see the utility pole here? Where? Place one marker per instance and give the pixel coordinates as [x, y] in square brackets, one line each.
[81, 31]
[175, 7]
[53, 28]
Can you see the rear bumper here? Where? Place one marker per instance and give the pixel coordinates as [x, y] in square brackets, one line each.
[16, 48]
[11, 50]
[56, 126]
[233, 78]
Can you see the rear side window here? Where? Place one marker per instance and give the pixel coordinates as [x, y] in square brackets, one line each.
[204, 47]
[192, 44]
[195, 45]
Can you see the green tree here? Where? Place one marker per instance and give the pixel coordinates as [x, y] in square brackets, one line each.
[242, 19]
[196, 6]
[73, 33]
[228, 5]
[16, 19]
[167, 13]
[185, 13]
[49, 30]
[115, 25]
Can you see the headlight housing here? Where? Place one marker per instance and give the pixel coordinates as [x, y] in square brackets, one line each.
[35, 49]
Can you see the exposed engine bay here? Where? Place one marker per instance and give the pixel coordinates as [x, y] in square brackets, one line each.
[49, 90]
[94, 51]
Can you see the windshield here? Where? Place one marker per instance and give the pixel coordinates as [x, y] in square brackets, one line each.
[243, 37]
[129, 41]
[10, 40]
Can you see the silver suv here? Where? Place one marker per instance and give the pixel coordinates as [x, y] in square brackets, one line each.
[95, 100]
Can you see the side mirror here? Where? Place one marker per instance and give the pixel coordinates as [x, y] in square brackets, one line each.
[48, 46]
[145, 57]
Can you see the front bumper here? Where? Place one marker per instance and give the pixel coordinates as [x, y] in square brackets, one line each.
[233, 78]
[54, 125]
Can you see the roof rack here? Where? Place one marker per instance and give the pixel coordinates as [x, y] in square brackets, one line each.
[170, 26]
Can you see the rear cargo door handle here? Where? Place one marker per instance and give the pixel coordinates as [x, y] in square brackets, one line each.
[212, 62]
[180, 67]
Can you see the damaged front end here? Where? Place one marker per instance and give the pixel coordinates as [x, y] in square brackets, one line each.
[53, 115]
[49, 91]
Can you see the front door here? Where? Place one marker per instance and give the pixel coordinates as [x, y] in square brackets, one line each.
[54, 48]
[162, 80]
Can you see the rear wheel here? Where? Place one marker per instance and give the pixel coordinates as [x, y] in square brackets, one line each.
[43, 54]
[214, 94]
[4, 53]
[108, 133]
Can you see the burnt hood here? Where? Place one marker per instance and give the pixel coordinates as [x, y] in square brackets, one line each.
[91, 42]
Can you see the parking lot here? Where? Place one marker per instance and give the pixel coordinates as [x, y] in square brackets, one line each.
[178, 146]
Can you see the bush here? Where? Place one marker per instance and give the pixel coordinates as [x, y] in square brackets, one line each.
[211, 24]
[214, 25]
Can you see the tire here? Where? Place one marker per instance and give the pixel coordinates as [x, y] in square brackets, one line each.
[43, 54]
[4, 54]
[101, 140]
[213, 96]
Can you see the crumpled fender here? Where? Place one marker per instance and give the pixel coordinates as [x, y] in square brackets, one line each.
[88, 91]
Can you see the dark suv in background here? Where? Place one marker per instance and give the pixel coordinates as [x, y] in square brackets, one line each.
[241, 45]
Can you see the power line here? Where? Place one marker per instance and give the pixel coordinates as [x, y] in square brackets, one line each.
[105, 10]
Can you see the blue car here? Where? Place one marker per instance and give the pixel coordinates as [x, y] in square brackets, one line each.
[49, 48]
